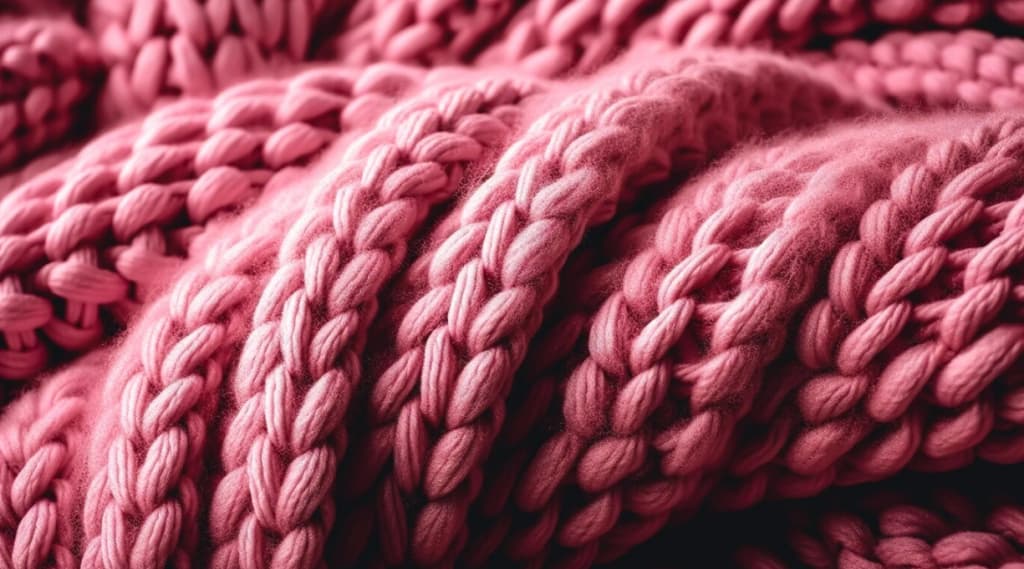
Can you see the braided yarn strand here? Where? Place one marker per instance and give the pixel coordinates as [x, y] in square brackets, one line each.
[475, 335]
[142, 505]
[922, 320]
[36, 490]
[300, 364]
[145, 488]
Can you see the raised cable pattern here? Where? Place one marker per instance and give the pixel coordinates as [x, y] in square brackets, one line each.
[910, 303]
[454, 328]
[300, 366]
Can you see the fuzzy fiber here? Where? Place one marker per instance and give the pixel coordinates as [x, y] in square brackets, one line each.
[478, 283]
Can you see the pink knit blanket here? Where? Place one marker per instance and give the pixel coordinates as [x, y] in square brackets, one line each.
[478, 283]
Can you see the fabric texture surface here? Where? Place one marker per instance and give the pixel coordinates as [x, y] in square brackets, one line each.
[481, 283]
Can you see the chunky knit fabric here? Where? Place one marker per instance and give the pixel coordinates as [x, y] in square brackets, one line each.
[560, 283]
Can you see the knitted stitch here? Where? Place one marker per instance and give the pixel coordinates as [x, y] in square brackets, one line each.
[163, 48]
[476, 347]
[48, 68]
[283, 460]
[934, 69]
[514, 284]
[85, 241]
[616, 379]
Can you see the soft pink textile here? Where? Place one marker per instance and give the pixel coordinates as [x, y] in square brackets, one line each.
[444, 283]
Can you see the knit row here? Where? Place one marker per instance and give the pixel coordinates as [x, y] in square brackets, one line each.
[936, 69]
[157, 50]
[933, 521]
[88, 240]
[907, 361]
[303, 341]
[162, 49]
[550, 37]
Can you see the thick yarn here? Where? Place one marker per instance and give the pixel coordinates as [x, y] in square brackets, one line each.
[623, 422]
[84, 242]
[511, 284]
[47, 68]
[168, 48]
[452, 327]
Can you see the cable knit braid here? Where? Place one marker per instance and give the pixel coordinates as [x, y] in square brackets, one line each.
[85, 241]
[48, 69]
[148, 479]
[143, 498]
[36, 495]
[163, 48]
[934, 69]
[552, 358]
[482, 286]
[673, 321]
[617, 456]
[300, 364]
[585, 283]
[914, 310]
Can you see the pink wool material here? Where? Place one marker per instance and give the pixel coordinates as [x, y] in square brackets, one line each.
[558, 283]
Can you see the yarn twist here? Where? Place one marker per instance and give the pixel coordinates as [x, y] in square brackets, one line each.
[163, 48]
[301, 364]
[933, 69]
[85, 241]
[913, 312]
[48, 69]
